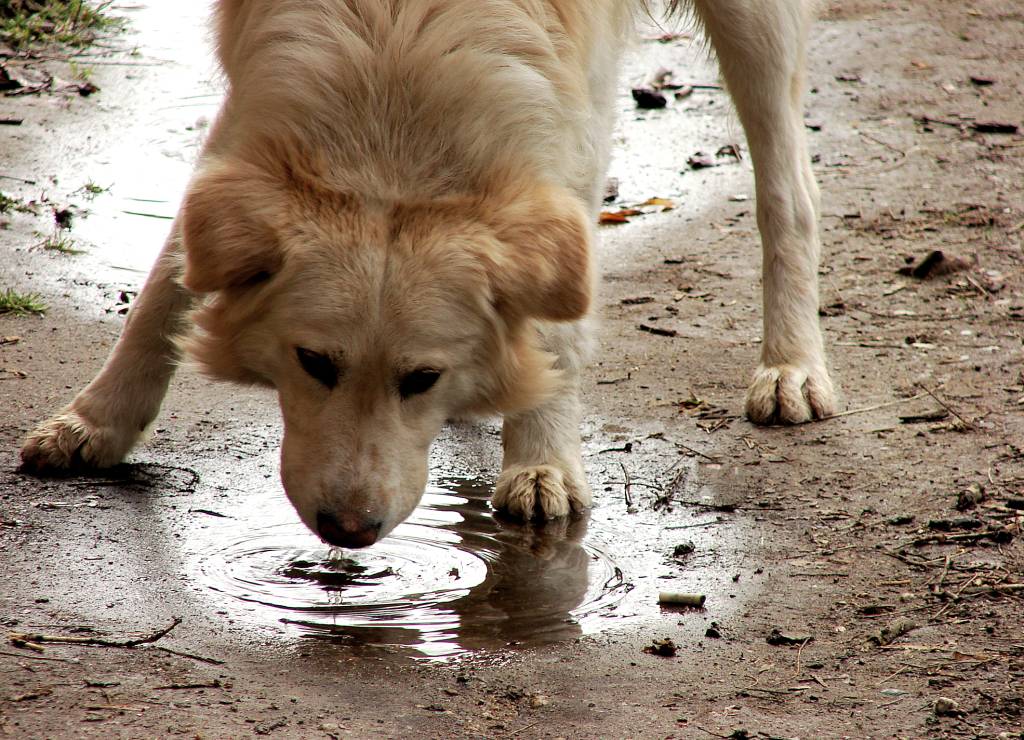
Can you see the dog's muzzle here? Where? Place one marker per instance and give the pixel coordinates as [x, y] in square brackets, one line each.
[346, 530]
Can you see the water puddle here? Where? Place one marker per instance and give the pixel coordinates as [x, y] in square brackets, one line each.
[451, 579]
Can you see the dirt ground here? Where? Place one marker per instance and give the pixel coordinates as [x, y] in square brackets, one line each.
[882, 548]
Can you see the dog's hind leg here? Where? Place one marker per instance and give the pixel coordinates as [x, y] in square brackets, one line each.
[104, 421]
[542, 473]
[760, 48]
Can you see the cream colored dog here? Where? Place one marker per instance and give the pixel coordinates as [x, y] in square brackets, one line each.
[391, 225]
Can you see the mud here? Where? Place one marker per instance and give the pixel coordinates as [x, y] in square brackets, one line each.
[461, 624]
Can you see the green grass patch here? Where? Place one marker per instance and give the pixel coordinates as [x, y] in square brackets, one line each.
[90, 190]
[10, 203]
[59, 241]
[21, 304]
[69, 22]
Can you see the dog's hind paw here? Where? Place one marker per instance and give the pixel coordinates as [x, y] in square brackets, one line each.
[790, 394]
[540, 492]
[69, 440]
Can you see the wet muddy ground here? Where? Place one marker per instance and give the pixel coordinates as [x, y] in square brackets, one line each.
[883, 547]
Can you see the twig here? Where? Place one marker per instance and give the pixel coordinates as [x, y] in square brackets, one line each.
[781, 692]
[890, 147]
[214, 684]
[942, 575]
[800, 651]
[713, 734]
[943, 404]
[961, 125]
[999, 588]
[980, 288]
[866, 409]
[904, 559]
[893, 675]
[523, 729]
[183, 654]
[17, 179]
[95, 641]
[626, 486]
[698, 452]
[32, 657]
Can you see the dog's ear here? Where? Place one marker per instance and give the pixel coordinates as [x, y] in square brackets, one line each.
[543, 269]
[228, 227]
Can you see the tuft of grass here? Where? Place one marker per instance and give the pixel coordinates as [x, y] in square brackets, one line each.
[59, 241]
[80, 72]
[21, 304]
[90, 190]
[10, 203]
[69, 22]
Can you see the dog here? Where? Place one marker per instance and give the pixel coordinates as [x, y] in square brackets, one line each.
[391, 225]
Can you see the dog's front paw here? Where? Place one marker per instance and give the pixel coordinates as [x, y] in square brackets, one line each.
[69, 440]
[790, 394]
[540, 492]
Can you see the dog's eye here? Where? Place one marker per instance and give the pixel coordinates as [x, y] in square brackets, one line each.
[418, 381]
[319, 366]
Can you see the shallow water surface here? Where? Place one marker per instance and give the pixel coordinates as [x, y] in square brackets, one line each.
[452, 578]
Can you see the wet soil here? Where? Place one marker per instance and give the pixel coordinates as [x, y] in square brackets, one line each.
[882, 547]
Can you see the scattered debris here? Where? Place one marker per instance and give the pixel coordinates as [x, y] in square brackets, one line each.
[8, 81]
[927, 417]
[637, 301]
[658, 330]
[36, 638]
[648, 98]
[730, 150]
[539, 700]
[611, 189]
[622, 216]
[900, 520]
[779, 638]
[214, 684]
[618, 217]
[63, 216]
[892, 631]
[971, 497]
[662, 648]
[837, 308]
[683, 550]
[680, 598]
[934, 264]
[994, 127]
[949, 525]
[944, 707]
[29, 696]
[700, 161]
[663, 203]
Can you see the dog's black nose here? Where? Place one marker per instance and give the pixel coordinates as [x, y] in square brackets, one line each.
[346, 531]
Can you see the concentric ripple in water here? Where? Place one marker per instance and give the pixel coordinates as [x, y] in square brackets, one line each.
[450, 579]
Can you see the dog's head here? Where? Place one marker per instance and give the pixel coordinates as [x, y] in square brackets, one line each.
[376, 321]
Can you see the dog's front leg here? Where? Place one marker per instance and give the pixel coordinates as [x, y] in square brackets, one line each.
[104, 421]
[542, 473]
[760, 47]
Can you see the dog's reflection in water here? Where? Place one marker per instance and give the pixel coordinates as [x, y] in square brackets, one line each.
[537, 574]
